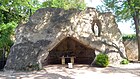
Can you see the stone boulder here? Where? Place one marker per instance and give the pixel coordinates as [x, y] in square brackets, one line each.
[47, 27]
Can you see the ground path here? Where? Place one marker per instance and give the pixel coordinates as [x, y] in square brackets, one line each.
[80, 71]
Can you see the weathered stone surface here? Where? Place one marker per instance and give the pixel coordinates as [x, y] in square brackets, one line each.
[131, 49]
[49, 26]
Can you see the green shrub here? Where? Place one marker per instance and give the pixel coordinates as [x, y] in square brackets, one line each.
[124, 61]
[102, 60]
[129, 37]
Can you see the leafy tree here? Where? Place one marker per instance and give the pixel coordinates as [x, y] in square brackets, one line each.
[20, 9]
[66, 4]
[11, 13]
[125, 10]
[6, 32]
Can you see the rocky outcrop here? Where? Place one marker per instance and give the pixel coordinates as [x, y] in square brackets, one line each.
[47, 27]
[131, 49]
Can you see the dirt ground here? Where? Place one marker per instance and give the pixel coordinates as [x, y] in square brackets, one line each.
[79, 71]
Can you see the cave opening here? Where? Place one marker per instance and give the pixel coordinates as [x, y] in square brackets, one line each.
[72, 50]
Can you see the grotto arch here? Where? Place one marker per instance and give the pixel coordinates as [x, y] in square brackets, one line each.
[70, 47]
[96, 27]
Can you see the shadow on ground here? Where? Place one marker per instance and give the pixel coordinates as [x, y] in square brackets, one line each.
[52, 76]
[135, 71]
[29, 75]
[79, 71]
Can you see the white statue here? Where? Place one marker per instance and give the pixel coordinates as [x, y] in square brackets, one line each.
[96, 30]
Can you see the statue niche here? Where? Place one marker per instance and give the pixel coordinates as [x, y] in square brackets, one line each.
[96, 27]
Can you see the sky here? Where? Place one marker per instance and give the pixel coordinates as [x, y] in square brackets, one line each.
[123, 26]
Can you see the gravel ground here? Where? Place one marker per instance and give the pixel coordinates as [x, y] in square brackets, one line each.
[80, 71]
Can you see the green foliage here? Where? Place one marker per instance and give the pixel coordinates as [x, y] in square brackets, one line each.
[66, 4]
[6, 31]
[18, 9]
[11, 13]
[124, 61]
[8, 17]
[102, 60]
[129, 37]
[122, 9]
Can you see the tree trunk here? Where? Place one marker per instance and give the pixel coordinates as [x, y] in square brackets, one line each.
[136, 22]
[135, 15]
[137, 35]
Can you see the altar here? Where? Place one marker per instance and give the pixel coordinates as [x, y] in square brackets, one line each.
[64, 58]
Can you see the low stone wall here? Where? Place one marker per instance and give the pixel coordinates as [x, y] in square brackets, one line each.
[131, 49]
